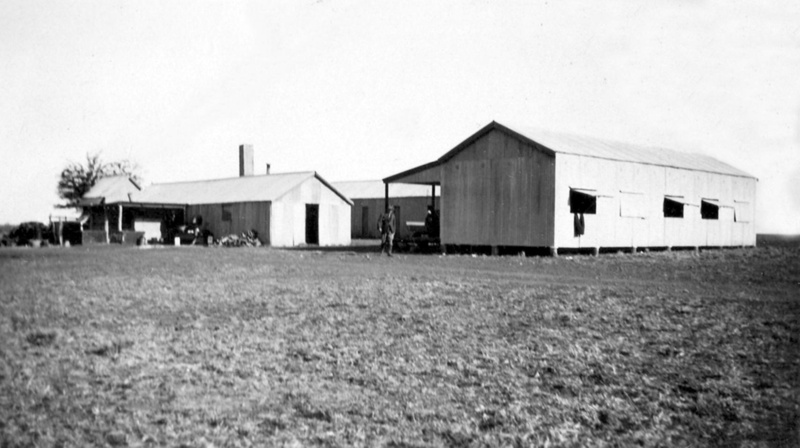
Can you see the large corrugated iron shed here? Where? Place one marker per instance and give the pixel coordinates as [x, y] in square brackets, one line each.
[555, 143]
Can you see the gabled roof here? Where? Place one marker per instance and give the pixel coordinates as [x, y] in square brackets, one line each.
[557, 143]
[374, 189]
[110, 190]
[221, 191]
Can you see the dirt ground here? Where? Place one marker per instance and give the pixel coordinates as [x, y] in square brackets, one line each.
[190, 346]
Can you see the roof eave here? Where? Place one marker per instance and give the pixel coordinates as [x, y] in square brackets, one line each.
[415, 170]
[154, 204]
[332, 188]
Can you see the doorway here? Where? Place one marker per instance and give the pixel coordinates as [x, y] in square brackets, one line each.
[312, 223]
[399, 227]
[365, 222]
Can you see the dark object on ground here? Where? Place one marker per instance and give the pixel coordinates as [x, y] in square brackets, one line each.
[420, 241]
[249, 239]
[41, 338]
[27, 232]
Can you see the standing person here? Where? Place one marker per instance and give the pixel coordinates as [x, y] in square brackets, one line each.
[387, 225]
[432, 223]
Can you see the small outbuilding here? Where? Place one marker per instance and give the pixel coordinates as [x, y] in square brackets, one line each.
[284, 210]
[410, 202]
[508, 189]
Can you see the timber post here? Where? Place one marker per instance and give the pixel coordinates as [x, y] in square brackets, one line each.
[105, 226]
[385, 196]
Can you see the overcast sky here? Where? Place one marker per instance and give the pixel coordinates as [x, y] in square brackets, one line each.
[361, 90]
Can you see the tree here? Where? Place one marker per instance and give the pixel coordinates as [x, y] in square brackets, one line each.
[76, 179]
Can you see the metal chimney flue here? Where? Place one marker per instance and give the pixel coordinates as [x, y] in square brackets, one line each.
[245, 160]
[268, 167]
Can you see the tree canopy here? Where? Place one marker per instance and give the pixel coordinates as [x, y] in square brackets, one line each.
[78, 178]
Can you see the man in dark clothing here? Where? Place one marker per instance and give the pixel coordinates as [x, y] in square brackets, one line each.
[432, 223]
[387, 226]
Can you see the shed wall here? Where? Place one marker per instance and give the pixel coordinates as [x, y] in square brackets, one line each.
[411, 209]
[282, 223]
[498, 191]
[244, 216]
[288, 226]
[609, 228]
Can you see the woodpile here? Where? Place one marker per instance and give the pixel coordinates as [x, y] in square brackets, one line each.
[246, 239]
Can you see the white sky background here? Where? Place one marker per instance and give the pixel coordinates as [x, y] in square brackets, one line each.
[361, 90]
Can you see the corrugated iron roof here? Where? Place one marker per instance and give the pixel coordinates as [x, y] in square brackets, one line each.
[612, 150]
[221, 191]
[113, 189]
[562, 143]
[374, 189]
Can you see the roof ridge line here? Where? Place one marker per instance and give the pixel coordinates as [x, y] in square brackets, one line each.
[234, 178]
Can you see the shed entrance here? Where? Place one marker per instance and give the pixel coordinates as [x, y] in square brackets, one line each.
[312, 223]
[365, 222]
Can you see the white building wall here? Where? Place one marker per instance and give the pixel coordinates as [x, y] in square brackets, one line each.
[612, 227]
[288, 226]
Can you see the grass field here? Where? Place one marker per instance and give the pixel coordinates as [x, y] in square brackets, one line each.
[260, 347]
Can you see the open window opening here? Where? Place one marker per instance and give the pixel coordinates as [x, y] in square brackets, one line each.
[672, 208]
[583, 201]
[226, 213]
[709, 209]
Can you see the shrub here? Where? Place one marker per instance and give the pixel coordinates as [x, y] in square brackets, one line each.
[28, 231]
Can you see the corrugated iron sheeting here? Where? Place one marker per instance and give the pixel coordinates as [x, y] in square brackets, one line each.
[592, 147]
[114, 189]
[220, 191]
[374, 189]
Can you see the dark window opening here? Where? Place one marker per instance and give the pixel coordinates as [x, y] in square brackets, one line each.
[672, 209]
[709, 210]
[582, 203]
[226, 212]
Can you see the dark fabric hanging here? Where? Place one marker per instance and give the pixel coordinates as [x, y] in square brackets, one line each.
[579, 225]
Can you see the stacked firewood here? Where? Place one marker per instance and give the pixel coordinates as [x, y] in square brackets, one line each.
[246, 239]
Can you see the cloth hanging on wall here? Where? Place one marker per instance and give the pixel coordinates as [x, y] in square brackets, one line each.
[579, 225]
